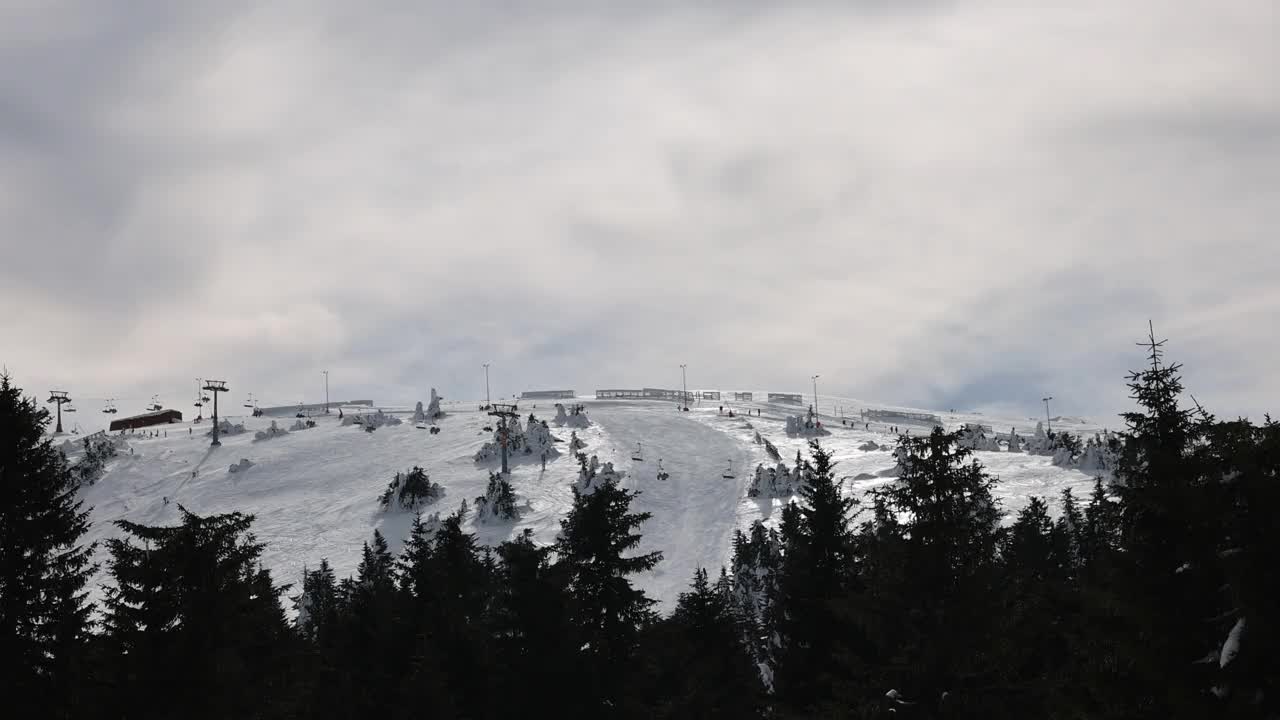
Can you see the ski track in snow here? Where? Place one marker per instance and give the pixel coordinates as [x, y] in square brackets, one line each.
[314, 492]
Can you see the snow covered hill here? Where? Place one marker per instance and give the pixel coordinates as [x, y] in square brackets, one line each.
[315, 491]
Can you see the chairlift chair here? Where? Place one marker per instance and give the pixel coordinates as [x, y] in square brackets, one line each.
[68, 409]
[728, 473]
[662, 473]
[639, 455]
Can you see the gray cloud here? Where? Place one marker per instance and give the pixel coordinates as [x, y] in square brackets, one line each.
[935, 203]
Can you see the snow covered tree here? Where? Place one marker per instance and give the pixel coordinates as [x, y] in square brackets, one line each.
[411, 490]
[498, 502]
[317, 605]
[44, 565]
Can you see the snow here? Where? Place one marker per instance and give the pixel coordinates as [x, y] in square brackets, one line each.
[1231, 647]
[315, 494]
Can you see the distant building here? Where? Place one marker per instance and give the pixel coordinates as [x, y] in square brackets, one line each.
[547, 395]
[709, 394]
[660, 394]
[160, 417]
[742, 396]
[786, 398]
[620, 394]
[642, 394]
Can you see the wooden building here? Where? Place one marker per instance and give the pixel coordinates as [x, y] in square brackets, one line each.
[160, 417]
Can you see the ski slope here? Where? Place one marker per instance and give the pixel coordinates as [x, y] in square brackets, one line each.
[314, 492]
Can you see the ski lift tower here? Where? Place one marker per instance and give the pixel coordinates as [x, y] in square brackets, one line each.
[59, 397]
[215, 387]
[506, 414]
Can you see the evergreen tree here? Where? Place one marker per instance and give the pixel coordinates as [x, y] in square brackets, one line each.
[190, 614]
[607, 611]
[535, 645]
[499, 500]
[701, 667]
[929, 582]
[44, 613]
[818, 567]
[1170, 524]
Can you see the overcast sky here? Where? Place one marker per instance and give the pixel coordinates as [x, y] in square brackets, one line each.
[941, 204]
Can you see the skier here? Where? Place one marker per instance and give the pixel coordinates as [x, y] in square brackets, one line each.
[544, 460]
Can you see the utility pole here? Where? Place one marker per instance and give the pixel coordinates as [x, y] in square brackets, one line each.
[815, 397]
[684, 385]
[487, 402]
[326, 391]
[215, 387]
[59, 397]
[1046, 413]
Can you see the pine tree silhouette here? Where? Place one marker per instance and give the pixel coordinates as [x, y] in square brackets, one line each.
[44, 613]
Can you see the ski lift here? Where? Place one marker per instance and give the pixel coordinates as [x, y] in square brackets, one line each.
[728, 473]
[300, 413]
[155, 405]
[110, 407]
[638, 456]
[662, 473]
[249, 403]
[68, 409]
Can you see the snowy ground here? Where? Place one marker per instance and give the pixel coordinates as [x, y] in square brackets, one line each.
[314, 492]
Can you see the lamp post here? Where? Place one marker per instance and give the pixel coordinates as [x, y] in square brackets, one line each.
[1046, 400]
[815, 396]
[684, 388]
[326, 391]
[486, 386]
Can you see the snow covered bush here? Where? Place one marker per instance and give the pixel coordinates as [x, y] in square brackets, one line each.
[575, 419]
[757, 558]
[1101, 454]
[271, 432]
[901, 463]
[1016, 443]
[591, 473]
[1064, 448]
[498, 504]
[302, 425]
[225, 427]
[533, 442]
[241, 466]
[97, 449]
[418, 415]
[807, 425]
[410, 491]
[974, 437]
[375, 419]
[433, 407]
[871, 446]
[775, 482]
[575, 442]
